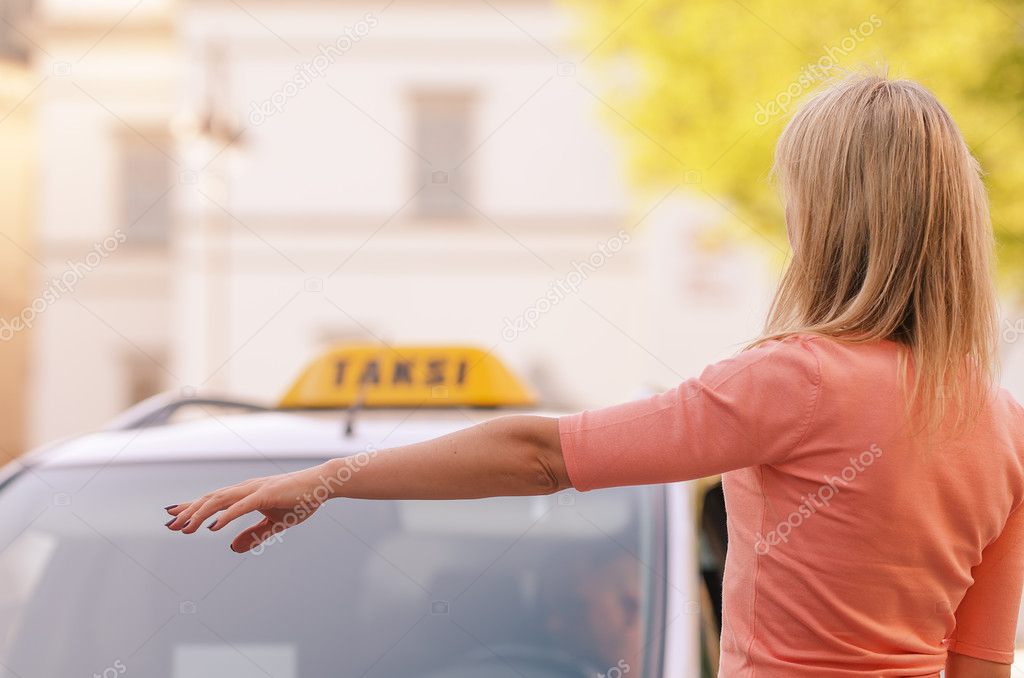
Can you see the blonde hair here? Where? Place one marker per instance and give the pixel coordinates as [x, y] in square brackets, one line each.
[891, 237]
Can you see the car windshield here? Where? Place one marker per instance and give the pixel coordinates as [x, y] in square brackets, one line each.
[565, 585]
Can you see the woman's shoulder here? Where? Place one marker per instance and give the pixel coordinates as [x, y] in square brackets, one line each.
[783, 357]
[829, 348]
[850, 365]
[1013, 410]
[805, 346]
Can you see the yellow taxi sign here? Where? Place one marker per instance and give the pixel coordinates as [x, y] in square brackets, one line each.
[406, 376]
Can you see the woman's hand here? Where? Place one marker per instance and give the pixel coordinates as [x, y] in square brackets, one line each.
[284, 500]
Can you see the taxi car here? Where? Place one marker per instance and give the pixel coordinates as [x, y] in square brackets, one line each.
[568, 585]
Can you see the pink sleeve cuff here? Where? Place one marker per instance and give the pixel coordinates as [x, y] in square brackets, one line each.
[979, 652]
[568, 426]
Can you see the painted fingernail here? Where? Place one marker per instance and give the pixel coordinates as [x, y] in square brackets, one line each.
[187, 523]
[211, 525]
[168, 508]
[168, 523]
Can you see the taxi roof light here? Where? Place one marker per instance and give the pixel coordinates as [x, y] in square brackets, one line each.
[371, 375]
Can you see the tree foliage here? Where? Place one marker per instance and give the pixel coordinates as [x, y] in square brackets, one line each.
[704, 88]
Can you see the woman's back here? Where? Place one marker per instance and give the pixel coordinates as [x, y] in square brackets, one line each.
[851, 546]
[868, 540]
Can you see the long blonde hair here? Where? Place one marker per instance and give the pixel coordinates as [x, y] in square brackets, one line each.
[891, 237]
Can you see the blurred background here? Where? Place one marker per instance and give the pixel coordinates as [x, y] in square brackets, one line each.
[198, 196]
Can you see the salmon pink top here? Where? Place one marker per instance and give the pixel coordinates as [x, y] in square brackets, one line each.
[853, 549]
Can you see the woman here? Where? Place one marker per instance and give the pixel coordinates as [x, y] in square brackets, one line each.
[873, 471]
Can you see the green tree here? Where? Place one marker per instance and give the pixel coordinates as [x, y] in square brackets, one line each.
[702, 88]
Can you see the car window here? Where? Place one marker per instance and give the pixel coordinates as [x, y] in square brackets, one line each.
[565, 585]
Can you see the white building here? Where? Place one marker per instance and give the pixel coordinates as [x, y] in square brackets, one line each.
[287, 175]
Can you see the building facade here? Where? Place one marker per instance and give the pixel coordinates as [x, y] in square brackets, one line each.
[235, 185]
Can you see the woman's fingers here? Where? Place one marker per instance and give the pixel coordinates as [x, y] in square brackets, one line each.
[175, 509]
[235, 510]
[184, 513]
[251, 537]
[206, 509]
[187, 517]
[191, 517]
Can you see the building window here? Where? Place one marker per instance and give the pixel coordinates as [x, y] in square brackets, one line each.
[147, 176]
[444, 134]
[143, 375]
[14, 44]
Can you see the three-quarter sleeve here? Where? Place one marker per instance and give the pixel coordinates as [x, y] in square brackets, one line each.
[986, 619]
[751, 409]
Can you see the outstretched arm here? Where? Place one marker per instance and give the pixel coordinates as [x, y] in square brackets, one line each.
[508, 456]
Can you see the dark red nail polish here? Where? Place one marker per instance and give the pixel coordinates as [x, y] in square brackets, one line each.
[212, 525]
[168, 523]
[187, 523]
[168, 508]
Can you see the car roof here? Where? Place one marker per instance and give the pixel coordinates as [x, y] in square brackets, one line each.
[272, 434]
